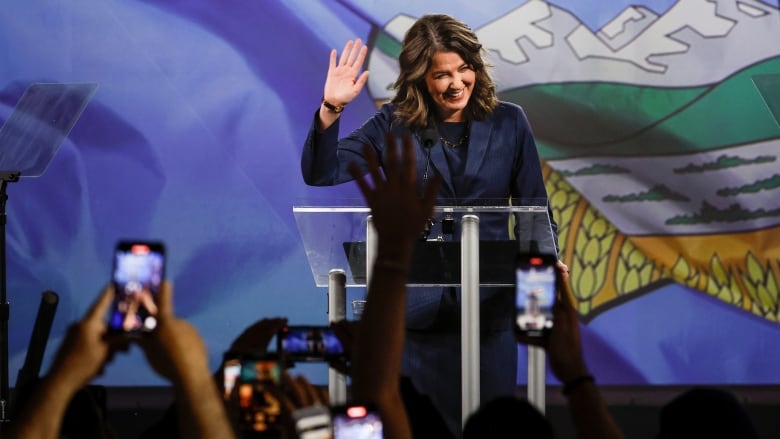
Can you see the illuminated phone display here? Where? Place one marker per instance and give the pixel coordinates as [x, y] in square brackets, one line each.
[259, 398]
[138, 273]
[356, 421]
[309, 343]
[536, 285]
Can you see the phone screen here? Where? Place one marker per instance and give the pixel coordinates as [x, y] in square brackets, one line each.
[536, 285]
[257, 391]
[139, 270]
[356, 421]
[309, 343]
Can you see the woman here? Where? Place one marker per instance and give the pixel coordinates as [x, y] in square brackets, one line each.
[482, 147]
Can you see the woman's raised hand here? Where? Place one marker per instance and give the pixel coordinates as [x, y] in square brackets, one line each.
[345, 80]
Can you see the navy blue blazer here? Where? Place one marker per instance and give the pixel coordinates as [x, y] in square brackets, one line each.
[502, 162]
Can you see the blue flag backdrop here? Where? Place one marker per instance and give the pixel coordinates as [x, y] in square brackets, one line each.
[653, 119]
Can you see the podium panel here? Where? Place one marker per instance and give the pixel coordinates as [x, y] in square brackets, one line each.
[335, 235]
[438, 263]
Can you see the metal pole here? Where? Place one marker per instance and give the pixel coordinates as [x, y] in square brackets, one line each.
[5, 307]
[337, 310]
[371, 239]
[469, 315]
[536, 377]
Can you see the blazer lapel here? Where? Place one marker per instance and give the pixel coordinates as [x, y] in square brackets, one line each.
[440, 165]
[479, 144]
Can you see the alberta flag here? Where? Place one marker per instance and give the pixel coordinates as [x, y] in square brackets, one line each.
[660, 131]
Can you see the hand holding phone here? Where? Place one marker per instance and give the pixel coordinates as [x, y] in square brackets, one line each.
[252, 388]
[138, 273]
[536, 285]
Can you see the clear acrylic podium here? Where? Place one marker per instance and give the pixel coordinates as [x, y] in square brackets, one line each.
[339, 241]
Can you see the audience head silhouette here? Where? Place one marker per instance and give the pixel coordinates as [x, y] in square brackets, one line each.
[491, 420]
[705, 412]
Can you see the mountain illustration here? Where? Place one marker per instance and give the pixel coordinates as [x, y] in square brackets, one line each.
[626, 26]
[542, 43]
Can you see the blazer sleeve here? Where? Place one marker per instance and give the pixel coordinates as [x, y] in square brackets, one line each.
[325, 157]
[528, 184]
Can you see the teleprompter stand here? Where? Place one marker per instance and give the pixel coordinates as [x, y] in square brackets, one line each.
[340, 244]
[29, 139]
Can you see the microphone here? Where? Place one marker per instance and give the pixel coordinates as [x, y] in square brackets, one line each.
[28, 374]
[429, 137]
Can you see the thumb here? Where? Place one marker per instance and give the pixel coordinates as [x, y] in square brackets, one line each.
[165, 299]
[101, 305]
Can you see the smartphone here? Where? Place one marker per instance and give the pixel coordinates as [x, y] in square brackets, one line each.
[307, 343]
[138, 273]
[356, 420]
[257, 391]
[536, 283]
[312, 422]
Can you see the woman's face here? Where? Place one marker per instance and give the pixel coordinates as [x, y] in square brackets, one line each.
[450, 82]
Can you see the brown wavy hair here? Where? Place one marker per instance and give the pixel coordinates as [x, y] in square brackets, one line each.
[430, 34]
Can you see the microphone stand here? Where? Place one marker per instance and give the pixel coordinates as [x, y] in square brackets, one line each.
[429, 136]
[5, 307]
